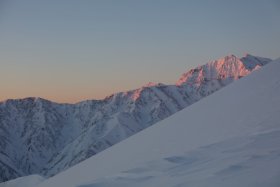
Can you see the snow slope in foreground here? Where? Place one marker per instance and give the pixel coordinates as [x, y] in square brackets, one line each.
[27, 181]
[230, 138]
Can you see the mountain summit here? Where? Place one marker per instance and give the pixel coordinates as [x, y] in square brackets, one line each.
[42, 137]
[223, 69]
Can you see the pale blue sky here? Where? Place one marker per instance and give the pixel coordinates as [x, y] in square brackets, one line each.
[71, 50]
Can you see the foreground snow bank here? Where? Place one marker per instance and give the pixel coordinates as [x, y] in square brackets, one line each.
[28, 181]
[243, 161]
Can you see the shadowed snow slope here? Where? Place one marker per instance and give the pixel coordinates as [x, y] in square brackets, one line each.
[28, 181]
[230, 138]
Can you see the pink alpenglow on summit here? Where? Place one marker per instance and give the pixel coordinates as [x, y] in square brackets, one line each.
[229, 67]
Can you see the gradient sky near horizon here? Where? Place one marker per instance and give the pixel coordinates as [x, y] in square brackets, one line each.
[69, 50]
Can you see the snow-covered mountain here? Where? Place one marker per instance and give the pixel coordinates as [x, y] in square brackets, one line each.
[42, 137]
[228, 139]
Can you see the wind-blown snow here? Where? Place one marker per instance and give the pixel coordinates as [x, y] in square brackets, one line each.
[41, 137]
[230, 138]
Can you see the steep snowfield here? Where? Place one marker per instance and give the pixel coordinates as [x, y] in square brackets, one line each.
[41, 137]
[230, 138]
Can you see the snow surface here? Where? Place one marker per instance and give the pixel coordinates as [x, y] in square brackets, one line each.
[230, 138]
[27, 181]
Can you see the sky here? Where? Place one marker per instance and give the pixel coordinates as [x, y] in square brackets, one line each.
[69, 50]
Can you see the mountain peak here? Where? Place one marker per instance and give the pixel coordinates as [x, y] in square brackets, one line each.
[251, 62]
[228, 67]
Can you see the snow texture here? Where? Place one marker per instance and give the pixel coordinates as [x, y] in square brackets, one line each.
[27, 181]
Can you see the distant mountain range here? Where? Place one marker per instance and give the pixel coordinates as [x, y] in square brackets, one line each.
[38, 136]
